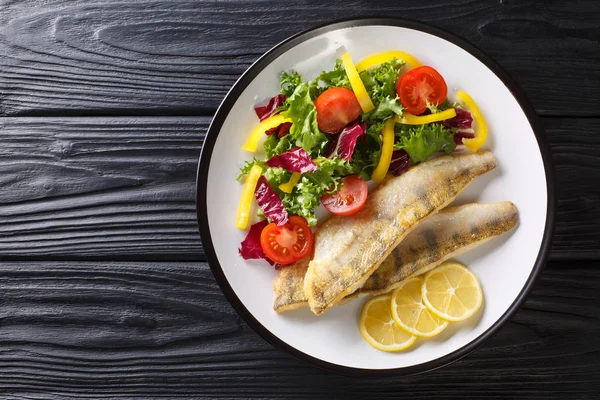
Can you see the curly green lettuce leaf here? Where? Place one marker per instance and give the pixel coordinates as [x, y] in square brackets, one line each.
[380, 83]
[384, 110]
[305, 130]
[443, 106]
[275, 146]
[289, 82]
[245, 170]
[422, 141]
[337, 77]
[306, 195]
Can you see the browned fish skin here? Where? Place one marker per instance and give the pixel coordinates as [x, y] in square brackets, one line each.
[348, 249]
[442, 236]
[289, 286]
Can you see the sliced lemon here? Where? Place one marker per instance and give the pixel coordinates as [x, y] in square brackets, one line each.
[452, 292]
[410, 313]
[379, 329]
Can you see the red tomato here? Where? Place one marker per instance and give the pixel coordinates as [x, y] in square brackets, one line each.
[419, 86]
[287, 243]
[336, 107]
[349, 199]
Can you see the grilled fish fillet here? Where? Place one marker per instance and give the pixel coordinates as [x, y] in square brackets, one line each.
[348, 249]
[444, 235]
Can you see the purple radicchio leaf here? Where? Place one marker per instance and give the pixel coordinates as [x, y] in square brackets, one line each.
[462, 123]
[294, 160]
[344, 143]
[250, 247]
[270, 203]
[264, 112]
[400, 162]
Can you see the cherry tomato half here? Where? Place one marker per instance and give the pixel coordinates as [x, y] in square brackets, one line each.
[336, 107]
[419, 86]
[349, 199]
[287, 243]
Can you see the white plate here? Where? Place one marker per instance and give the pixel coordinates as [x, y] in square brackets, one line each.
[506, 266]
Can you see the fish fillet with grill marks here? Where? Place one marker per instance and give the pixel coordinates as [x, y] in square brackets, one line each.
[444, 235]
[348, 249]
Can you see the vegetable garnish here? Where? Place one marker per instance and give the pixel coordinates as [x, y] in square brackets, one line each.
[287, 243]
[305, 131]
[306, 194]
[264, 112]
[281, 130]
[250, 246]
[409, 119]
[289, 185]
[349, 126]
[386, 151]
[419, 87]
[380, 83]
[269, 202]
[482, 130]
[462, 125]
[400, 162]
[357, 85]
[423, 141]
[349, 199]
[336, 107]
[343, 144]
[247, 195]
[269, 123]
[294, 160]
[380, 58]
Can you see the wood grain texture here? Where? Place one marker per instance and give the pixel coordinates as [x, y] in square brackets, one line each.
[123, 188]
[150, 330]
[60, 57]
[109, 187]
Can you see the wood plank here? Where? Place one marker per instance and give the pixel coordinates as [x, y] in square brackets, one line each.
[150, 330]
[150, 57]
[123, 188]
[100, 187]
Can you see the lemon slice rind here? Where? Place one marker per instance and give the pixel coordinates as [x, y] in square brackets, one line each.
[476, 287]
[402, 340]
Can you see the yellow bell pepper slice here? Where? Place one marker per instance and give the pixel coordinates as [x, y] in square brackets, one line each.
[409, 119]
[269, 123]
[357, 84]
[380, 58]
[289, 185]
[482, 129]
[247, 195]
[387, 147]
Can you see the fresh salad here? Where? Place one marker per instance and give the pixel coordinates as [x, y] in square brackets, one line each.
[321, 140]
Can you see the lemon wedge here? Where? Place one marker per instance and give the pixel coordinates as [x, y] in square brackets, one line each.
[452, 292]
[410, 313]
[379, 329]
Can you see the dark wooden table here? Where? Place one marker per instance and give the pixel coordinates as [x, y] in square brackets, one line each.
[103, 289]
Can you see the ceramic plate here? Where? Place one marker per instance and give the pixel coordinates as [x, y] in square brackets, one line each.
[506, 266]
